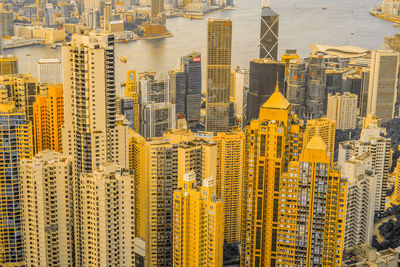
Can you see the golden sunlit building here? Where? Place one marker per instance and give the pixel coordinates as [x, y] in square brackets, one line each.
[371, 119]
[312, 211]
[395, 198]
[198, 224]
[272, 141]
[8, 65]
[46, 200]
[219, 50]
[132, 92]
[48, 119]
[16, 144]
[326, 129]
[159, 165]
[229, 180]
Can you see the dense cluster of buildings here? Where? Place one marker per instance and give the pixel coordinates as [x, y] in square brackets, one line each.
[163, 176]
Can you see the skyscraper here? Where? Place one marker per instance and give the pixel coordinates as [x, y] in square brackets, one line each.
[157, 113]
[360, 206]
[157, 9]
[219, 50]
[269, 32]
[316, 95]
[265, 74]
[296, 86]
[187, 85]
[343, 110]
[271, 143]
[108, 229]
[310, 212]
[90, 102]
[229, 180]
[46, 200]
[50, 70]
[198, 224]
[16, 136]
[383, 80]
[48, 119]
[159, 165]
[374, 141]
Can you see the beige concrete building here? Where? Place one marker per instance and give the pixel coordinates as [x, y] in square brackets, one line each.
[382, 90]
[373, 140]
[46, 202]
[90, 102]
[343, 110]
[367, 256]
[371, 119]
[108, 224]
[360, 206]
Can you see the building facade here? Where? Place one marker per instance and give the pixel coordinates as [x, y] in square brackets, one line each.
[343, 110]
[219, 54]
[50, 71]
[16, 144]
[198, 224]
[48, 119]
[46, 200]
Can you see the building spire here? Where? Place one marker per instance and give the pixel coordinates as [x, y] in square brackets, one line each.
[277, 83]
[265, 3]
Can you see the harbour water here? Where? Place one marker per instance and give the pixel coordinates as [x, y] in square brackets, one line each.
[302, 22]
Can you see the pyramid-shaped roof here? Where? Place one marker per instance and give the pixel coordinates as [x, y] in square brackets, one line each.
[276, 101]
[316, 143]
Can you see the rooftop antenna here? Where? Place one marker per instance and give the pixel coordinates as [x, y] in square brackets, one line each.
[266, 3]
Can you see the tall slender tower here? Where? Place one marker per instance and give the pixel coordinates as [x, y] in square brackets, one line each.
[269, 32]
[198, 224]
[271, 143]
[16, 144]
[90, 108]
[157, 8]
[219, 51]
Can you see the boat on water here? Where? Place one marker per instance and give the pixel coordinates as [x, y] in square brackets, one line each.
[324, 7]
[53, 46]
[123, 59]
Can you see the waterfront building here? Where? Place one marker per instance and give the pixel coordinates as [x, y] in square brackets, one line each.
[219, 53]
[383, 82]
[360, 206]
[343, 110]
[265, 74]
[374, 141]
[48, 119]
[159, 165]
[269, 35]
[108, 227]
[266, 158]
[198, 225]
[17, 144]
[186, 86]
[8, 64]
[324, 128]
[90, 102]
[50, 70]
[46, 202]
